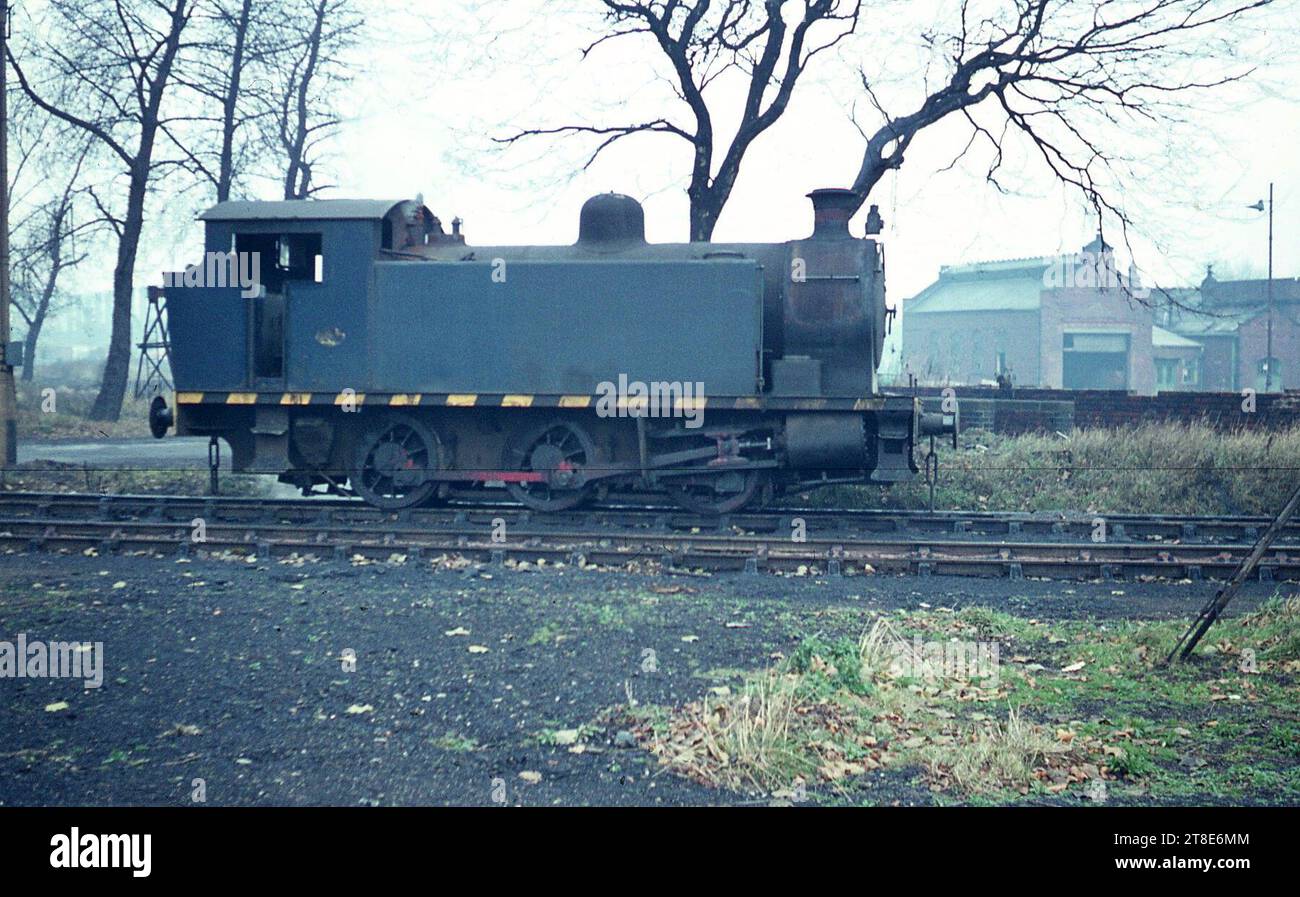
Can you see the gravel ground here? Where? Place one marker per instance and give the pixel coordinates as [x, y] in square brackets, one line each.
[236, 674]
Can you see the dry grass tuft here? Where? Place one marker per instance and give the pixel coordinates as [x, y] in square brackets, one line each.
[1274, 631]
[996, 756]
[1171, 468]
[744, 741]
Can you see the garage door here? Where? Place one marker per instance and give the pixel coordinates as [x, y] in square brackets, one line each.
[1095, 360]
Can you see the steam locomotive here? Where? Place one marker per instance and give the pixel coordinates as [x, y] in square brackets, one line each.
[358, 347]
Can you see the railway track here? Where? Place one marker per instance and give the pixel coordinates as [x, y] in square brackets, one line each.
[834, 541]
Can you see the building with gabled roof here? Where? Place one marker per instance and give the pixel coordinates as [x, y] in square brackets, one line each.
[1073, 322]
[1069, 321]
[1230, 319]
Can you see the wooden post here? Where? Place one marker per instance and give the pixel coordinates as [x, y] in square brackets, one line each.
[1211, 611]
[8, 399]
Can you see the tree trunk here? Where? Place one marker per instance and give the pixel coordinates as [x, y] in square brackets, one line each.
[29, 350]
[230, 106]
[702, 224]
[866, 181]
[37, 320]
[706, 206]
[297, 179]
[117, 368]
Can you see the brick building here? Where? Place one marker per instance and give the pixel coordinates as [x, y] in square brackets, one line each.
[1230, 318]
[1066, 322]
[1074, 322]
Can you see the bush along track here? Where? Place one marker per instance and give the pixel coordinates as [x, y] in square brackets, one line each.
[981, 706]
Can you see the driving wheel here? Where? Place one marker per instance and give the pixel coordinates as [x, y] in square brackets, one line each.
[718, 493]
[393, 463]
[561, 452]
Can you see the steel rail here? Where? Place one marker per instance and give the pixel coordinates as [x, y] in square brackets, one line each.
[1182, 529]
[710, 550]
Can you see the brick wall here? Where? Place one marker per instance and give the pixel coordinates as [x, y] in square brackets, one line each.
[1041, 409]
[962, 347]
[1219, 363]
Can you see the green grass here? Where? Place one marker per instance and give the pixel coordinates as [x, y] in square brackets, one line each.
[828, 666]
[460, 744]
[994, 624]
[546, 635]
[1154, 468]
[1073, 704]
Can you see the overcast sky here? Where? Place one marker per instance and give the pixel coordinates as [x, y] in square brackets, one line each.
[442, 77]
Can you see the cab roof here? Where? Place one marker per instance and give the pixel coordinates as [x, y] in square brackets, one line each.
[301, 210]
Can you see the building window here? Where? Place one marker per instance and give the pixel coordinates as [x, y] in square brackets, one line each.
[1166, 372]
[1192, 373]
[1262, 369]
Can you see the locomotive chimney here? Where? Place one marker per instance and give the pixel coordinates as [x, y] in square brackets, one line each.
[832, 209]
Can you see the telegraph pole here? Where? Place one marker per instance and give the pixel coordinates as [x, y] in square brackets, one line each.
[1268, 373]
[8, 399]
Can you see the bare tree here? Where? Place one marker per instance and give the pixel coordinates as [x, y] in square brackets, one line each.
[105, 69]
[705, 41]
[47, 242]
[225, 70]
[309, 70]
[1066, 77]
[48, 230]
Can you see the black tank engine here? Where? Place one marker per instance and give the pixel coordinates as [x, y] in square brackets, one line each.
[359, 346]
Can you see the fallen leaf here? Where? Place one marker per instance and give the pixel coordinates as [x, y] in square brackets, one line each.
[56, 706]
[530, 776]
